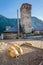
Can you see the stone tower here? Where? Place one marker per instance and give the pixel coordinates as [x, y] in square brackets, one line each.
[26, 17]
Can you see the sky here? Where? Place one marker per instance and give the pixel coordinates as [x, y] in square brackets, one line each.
[8, 8]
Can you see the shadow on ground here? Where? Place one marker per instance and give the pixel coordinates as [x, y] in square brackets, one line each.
[30, 58]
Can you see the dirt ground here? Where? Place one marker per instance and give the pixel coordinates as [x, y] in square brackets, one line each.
[35, 43]
[31, 56]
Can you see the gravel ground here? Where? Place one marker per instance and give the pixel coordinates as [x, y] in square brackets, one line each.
[31, 56]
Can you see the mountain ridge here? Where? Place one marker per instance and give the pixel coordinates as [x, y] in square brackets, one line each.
[4, 21]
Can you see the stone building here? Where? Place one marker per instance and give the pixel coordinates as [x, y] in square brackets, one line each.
[11, 32]
[26, 23]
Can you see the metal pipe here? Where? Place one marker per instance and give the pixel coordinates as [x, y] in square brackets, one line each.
[18, 22]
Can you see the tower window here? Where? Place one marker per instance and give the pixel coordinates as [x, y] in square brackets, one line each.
[23, 6]
[26, 7]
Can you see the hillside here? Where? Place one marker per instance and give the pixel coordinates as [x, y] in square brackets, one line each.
[36, 23]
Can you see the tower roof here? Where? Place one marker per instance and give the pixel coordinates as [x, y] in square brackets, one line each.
[25, 5]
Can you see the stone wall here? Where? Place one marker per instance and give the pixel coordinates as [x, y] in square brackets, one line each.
[9, 35]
